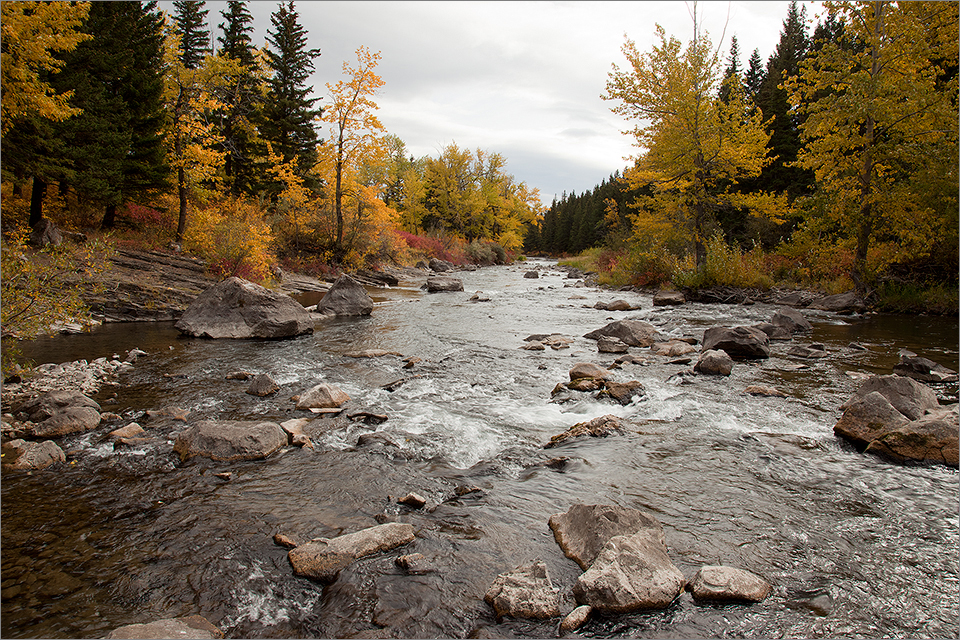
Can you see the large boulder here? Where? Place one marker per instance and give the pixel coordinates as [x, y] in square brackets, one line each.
[236, 308]
[714, 362]
[631, 572]
[443, 283]
[194, 626]
[20, 454]
[59, 413]
[323, 559]
[728, 584]
[229, 440]
[46, 234]
[583, 530]
[525, 592]
[867, 417]
[910, 398]
[346, 297]
[791, 320]
[931, 439]
[738, 342]
[635, 333]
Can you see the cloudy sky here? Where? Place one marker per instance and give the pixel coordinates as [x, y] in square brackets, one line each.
[522, 79]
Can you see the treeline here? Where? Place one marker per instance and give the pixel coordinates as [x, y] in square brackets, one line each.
[836, 158]
[119, 117]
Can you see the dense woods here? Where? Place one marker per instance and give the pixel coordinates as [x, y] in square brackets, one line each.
[832, 166]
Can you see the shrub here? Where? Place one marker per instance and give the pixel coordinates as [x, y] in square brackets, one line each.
[233, 237]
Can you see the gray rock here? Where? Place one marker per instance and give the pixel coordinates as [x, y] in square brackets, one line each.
[848, 302]
[196, 627]
[811, 352]
[323, 559]
[20, 454]
[774, 331]
[263, 385]
[911, 398]
[791, 320]
[236, 308]
[525, 592]
[346, 297]
[616, 305]
[599, 427]
[672, 348]
[583, 530]
[931, 439]
[635, 333]
[70, 420]
[764, 390]
[443, 283]
[923, 369]
[714, 362]
[532, 274]
[440, 266]
[414, 563]
[229, 440]
[575, 619]
[588, 370]
[867, 417]
[729, 584]
[622, 392]
[631, 573]
[322, 396]
[609, 344]
[51, 403]
[668, 298]
[738, 342]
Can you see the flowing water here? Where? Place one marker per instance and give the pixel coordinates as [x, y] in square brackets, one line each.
[855, 546]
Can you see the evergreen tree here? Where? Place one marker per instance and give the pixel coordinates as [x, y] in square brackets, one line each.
[732, 70]
[190, 20]
[115, 147]
[288, 112]
[779, 175]
[754, 75]
[241, 97]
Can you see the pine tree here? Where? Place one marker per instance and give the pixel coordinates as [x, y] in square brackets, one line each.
[754, 75]
[771, 98]
[115, 147]
[241, 98]
[288, 112]
[190, 20]
[732, 70]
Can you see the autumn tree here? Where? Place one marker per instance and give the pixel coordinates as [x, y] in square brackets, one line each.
[355, 128]
[880, 130]
[288, 111]
[694, 147]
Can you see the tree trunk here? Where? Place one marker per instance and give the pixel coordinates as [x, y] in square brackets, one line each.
[182, 193]
[36, 201]
[109, 217]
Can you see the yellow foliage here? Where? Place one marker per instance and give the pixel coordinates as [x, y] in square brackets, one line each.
[233, 237]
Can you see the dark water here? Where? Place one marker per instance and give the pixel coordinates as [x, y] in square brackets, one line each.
[855, 546]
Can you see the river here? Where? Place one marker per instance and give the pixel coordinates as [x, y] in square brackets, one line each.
[855, 546]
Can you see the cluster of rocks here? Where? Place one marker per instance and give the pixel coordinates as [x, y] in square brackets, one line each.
[592, 378]
[626, 567]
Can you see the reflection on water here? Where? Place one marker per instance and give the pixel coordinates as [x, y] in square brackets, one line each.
[855, 546]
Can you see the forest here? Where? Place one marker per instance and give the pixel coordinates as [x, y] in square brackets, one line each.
[832, 166]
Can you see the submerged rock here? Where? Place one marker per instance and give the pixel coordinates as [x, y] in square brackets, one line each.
[236, 308]
[729, 584]
[323, 559]
[187, 627]
[525, 592]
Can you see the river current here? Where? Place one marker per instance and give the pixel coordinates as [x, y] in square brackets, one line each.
[855, 546]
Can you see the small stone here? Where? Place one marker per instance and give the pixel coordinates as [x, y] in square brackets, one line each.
[575, 619]
[414, 563]
[285, 541]
[729, 584]
[238, 375]
[413, 500]
[262, 386]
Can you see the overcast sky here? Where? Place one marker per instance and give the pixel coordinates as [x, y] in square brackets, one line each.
[522, 79]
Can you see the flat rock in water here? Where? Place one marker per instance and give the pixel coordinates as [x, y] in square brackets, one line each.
[668, 298]
[196, 627]
[729, 584]
[635, 333]
[599, 427]
[229, 440]
[525, 592]
[323, 559]
[631, 573]
[443, 283]
[848, 302]
[583, 530]
[764, 390]
[70, 420]
[346, 297]
[237, 308]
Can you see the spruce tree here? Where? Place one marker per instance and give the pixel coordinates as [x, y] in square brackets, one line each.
[114, 147]
[732, 70]
[190, 19]
[288, 112]
[242, 99]
[754, 75]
